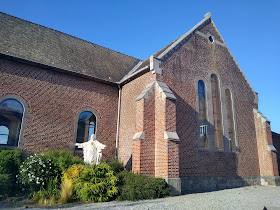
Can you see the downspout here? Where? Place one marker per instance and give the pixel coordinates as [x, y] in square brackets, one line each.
[118, 123]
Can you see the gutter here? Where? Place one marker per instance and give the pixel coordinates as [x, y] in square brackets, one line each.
[118, 124]
[141, 71]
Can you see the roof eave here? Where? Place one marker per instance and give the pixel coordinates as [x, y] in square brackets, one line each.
[136, 74]
[9, 57]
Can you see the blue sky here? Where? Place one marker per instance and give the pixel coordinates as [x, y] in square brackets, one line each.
[250, 28]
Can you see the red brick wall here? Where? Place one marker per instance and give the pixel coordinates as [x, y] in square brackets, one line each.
[264, 156]
[276, 144]
[161, 144]
[147, 152]
[54, 99]
[197, 58]
[130, 92]
[273, 155]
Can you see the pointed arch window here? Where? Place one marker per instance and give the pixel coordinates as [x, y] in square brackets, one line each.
[11, 113]
[230, 121]
[203, 127]
[217, 112]
[86, 126]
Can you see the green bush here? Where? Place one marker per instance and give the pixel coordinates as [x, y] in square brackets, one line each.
[38, 171]
[63, 159]
[6, 184]
[96, 183]
[137, 187]
[115, 165]
[10, 160]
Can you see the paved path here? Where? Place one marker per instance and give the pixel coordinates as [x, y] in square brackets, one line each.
[245, 198]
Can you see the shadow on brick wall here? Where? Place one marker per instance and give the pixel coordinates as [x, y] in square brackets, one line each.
[203, 169]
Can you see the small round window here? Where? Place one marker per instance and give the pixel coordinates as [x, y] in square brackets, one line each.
[211, 39]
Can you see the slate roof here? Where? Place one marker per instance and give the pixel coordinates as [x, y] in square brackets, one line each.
[36, 43]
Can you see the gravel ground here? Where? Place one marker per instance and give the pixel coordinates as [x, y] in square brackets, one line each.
[246, 198]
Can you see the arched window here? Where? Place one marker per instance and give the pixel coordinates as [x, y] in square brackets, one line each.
[11, 113]
[230, 121]
[217, 112]
[4, 134]
[86, 126]
[203, 129]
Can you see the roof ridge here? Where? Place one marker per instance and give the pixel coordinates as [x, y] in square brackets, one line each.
[68, 35]
[170, 47]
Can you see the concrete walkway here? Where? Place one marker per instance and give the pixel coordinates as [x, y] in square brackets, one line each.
[246, 198]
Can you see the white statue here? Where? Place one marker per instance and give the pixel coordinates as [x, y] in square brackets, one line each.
[92, 150]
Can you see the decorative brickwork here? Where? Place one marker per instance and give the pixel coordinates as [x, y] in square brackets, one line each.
[195, 59]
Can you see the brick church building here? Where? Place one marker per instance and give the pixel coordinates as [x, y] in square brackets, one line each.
[187, 113]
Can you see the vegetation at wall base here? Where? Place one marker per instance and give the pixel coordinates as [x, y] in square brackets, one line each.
[5, 185]
[37, 172]
[10, 161]
[96, 183]
[115, 165]
[59, 177]
[137, 187]
[63, 159]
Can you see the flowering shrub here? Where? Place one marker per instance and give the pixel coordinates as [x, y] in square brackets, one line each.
[37, 171]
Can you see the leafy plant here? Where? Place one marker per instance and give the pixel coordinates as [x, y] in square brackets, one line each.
[96, 183]
[6, 184]
[10, 160]
[39, 171]
[137, 187]
[73, 173]
[63, 159]
[115, 165]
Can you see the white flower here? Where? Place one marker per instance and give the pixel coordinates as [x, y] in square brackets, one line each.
[43, 183]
